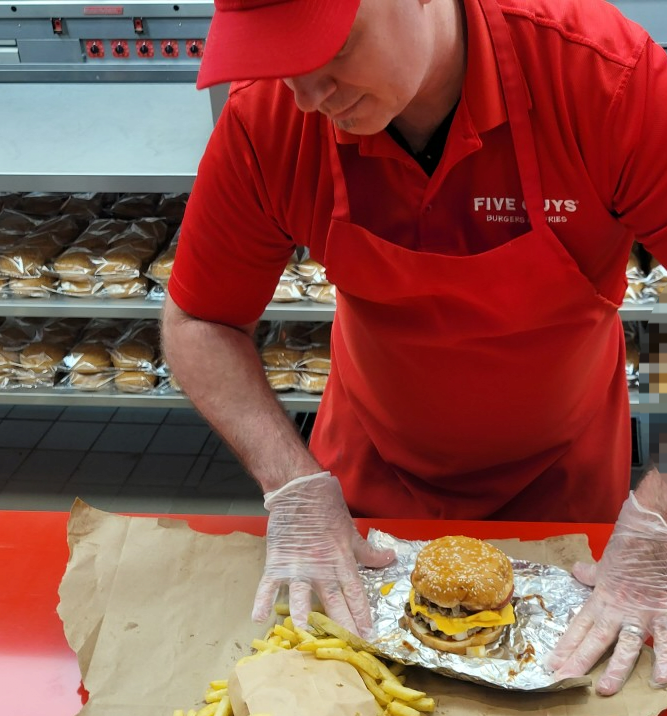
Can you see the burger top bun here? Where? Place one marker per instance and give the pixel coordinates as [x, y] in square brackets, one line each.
[464, 571]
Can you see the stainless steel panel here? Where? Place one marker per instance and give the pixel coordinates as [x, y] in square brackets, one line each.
[102, 137]
[50, 51]
[9, 55]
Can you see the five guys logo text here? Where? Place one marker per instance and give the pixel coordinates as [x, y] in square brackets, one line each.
[509, 210]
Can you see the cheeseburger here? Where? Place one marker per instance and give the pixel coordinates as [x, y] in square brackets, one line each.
[460, 596]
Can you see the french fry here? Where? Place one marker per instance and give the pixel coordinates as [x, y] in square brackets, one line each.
[425, 704]
[208, 710]
[352, 657]
[321, 644]
[224, 707]
[288, 623]
[398, 691]
[372, 685]
[219, 684]
[396, 708]
[179, 712]
[285, 633]
[275, 640]
[262, 645]
[281, 609]
[303, 634]
[212, 696]
[192, 712]
[401, 678]
[381, 667]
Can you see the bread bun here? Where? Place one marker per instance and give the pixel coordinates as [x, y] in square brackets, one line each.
[22, 263]
[89, 381]
[463, 571]
[132, 355]
[119, 261]
[287, 291]
[283, 379]
[79, 288]
[322, 293]
[32, 287]
[486, 636]
[278, 355]
[8, 358]
[312, 382]
[134, 381]
[316, 359]
[88, 358]
[131, 288]
[160, 269]
[41, 356]
[28, 378]
[76, 263]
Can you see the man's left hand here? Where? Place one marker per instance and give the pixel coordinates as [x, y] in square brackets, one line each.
[628, 604]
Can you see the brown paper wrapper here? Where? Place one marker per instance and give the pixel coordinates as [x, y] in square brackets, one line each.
[155, 610]
[291, 683]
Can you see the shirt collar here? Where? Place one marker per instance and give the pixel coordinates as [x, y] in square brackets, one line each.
[482, 88]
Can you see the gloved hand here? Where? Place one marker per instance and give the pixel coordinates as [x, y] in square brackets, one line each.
[313, 545]
[629, 603]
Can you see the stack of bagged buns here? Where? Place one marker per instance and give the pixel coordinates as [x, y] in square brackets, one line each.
[109, 257]
[304, 279]
[297, 356]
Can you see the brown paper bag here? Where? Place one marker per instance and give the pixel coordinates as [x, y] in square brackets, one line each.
[292, 683]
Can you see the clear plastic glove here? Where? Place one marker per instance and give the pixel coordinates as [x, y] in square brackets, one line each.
[313, 545]
[629, 603]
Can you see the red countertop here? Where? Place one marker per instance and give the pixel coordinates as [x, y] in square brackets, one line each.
[39, 673]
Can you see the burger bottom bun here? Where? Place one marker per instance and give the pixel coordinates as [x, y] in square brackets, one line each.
[89, 381]
[485, 636]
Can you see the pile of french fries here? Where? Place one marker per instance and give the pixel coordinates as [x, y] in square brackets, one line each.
[386, 683]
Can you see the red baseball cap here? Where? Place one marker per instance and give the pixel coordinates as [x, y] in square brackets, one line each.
[253, 39]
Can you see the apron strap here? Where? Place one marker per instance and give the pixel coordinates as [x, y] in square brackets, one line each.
[517, 112]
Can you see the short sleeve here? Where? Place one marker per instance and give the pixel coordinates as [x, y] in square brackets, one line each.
[231, 251]
[637, 151]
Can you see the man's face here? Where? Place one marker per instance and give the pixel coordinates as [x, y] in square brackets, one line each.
[379, 71]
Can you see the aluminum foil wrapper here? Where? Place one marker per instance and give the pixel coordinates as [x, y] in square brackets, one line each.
[545, 600]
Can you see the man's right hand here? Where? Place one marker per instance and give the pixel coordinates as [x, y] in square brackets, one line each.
[313, 546]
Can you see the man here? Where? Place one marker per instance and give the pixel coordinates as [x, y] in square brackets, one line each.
[472, 175]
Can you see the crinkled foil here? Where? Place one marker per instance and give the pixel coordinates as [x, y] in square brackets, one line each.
[545, 600]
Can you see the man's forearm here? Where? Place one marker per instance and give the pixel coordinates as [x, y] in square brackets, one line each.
[220, 371]
[651, 492]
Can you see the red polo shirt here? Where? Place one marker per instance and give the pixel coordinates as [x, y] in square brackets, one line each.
[596, 85]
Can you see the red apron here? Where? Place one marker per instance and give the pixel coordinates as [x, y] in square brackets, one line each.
[484, 386]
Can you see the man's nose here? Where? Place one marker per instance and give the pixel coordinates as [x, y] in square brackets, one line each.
[311, 90]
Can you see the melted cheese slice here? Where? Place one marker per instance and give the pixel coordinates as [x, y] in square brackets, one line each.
[457, 625]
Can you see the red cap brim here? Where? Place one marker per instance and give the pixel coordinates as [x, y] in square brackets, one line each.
[283, 39]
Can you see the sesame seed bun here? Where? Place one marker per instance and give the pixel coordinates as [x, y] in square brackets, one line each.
[425, 635]
[462, 571]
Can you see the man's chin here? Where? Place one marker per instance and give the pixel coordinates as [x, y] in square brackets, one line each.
[361, 127]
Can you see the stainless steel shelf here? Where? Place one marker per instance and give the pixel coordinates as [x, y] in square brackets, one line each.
[633, 312]
[63, 306]
[102, 137]
[296, 402]
[647, 403]
[143, 308]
